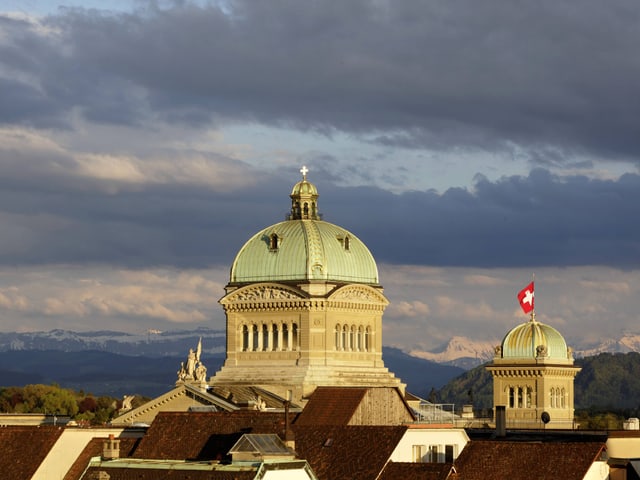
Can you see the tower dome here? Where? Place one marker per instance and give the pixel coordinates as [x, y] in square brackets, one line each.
[534, 340]
[304, 248]
[304, 308]
[533, 374]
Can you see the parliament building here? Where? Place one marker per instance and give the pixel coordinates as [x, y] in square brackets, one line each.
[304, 307]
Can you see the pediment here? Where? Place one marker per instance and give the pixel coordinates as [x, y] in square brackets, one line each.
[263, 292]
[180, 398]
[359, 293]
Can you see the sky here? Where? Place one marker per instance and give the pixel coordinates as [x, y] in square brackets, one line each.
[469, 146]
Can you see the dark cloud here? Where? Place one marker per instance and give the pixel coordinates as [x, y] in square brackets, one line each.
[538, 220]
[551, 76]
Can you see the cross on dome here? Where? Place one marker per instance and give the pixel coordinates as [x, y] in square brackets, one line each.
[304, 170]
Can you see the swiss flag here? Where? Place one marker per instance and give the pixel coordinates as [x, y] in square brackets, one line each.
[525, 297]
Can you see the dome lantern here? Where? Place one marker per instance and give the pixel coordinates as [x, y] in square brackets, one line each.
[304, 199]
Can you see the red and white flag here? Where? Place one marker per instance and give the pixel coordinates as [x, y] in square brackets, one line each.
[525, 297]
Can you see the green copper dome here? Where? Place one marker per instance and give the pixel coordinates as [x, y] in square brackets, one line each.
[304, 188]
[534, 340]
[304, 248]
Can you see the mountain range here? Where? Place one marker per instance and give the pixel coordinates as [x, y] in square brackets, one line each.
[468, 353]
[117, 363]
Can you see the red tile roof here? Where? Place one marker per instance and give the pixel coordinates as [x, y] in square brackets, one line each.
[203, 435]
[331, 406]
[24, 448]
[94, 449]
[347, 452]
[416, 471]
[499, 460]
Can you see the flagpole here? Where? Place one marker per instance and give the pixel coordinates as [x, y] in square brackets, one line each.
[533, 306]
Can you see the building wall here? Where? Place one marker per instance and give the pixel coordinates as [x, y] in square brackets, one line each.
[69, 446]
[381, 406]
[429, 437]
[527, 389]
[599, 470]
[627, 446]
[319, 354]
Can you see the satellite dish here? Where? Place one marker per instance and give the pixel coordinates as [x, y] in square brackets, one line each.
[545, 417]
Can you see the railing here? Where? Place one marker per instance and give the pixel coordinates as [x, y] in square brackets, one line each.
[436, 413]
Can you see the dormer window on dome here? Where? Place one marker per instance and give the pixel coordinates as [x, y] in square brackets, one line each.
[273, 242]
[345, 241]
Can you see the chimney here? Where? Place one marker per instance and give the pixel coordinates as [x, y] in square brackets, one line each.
[111, 448]
[501, 421]
[289, 439]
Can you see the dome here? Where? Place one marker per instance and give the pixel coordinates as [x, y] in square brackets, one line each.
[532, 340]
[304, 248]
[304, 188]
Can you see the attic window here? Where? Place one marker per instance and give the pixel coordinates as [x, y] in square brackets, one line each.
[345, 242]
[273, 242]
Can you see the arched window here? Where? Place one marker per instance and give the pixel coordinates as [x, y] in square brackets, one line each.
[305, 210]
[255, 335]
[345, 337]
[528, 397]
[352, 338]
[347, 242]
[294, 345]
[519, 397]
[512, 397]
[367, 339]
[275, 344]
[562, 398]
[553, 398]
[286, 342]
[245, 338]
[265, 337]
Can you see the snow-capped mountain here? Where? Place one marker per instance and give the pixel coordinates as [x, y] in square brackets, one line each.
[460, 352]
[467, 353]
[629, 342]
[152, 343]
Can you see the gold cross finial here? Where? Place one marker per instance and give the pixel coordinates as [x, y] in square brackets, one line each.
[304, 170]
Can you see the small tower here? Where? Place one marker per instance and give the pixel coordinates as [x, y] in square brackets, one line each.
[304, 199]
[533, 374]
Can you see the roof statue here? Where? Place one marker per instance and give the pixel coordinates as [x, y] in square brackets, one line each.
[194, 369]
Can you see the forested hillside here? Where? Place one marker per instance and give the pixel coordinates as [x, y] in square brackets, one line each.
[607, 381]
